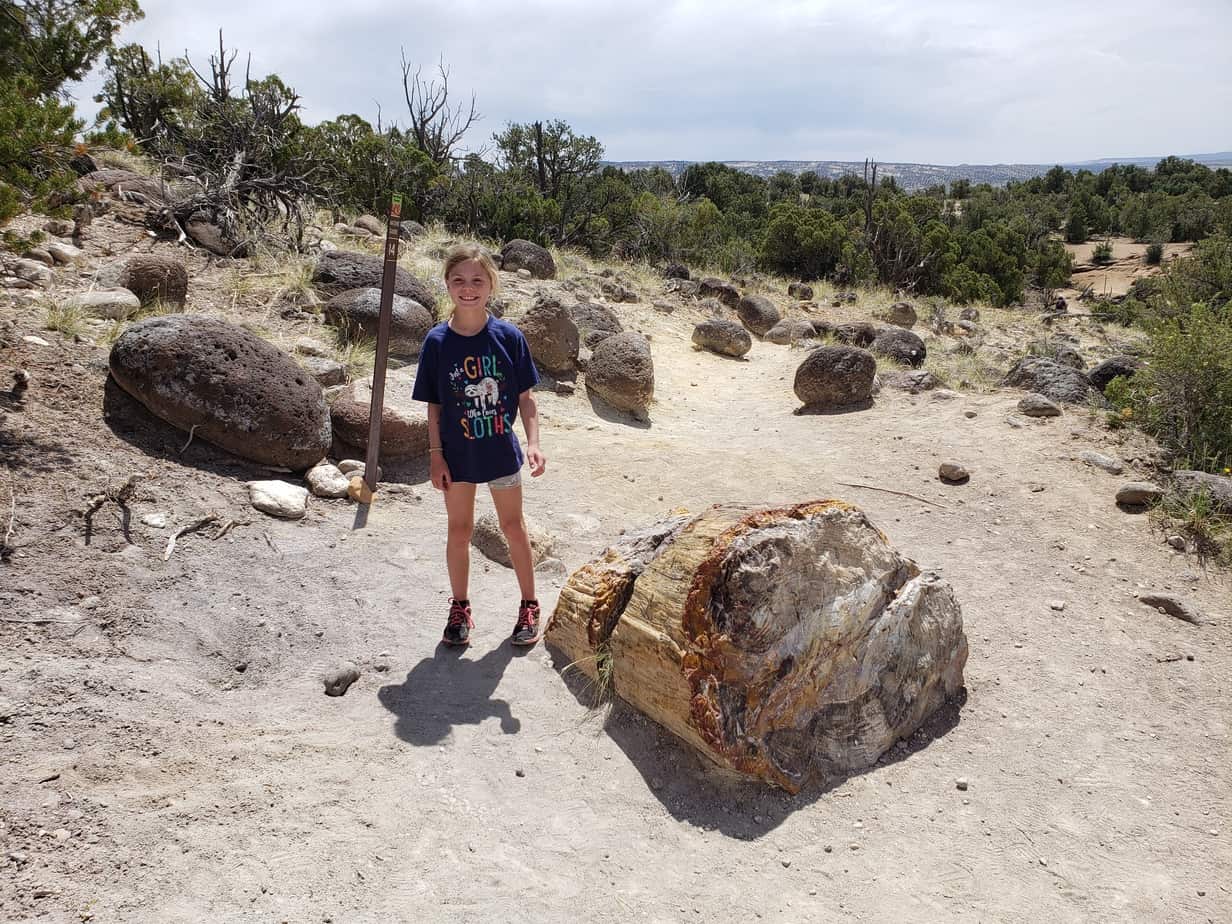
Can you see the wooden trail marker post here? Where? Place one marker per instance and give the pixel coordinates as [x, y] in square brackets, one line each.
[364, 489]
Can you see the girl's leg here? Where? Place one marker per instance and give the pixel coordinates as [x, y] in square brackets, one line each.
[460, 505]
[508, 504]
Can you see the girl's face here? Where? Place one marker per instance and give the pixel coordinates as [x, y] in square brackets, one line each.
[469, 285]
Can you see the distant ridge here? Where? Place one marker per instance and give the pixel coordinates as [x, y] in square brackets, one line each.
[918, 176]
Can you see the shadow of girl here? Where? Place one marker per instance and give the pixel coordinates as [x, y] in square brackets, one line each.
[447, 690]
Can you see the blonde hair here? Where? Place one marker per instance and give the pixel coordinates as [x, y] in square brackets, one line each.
[460, 253]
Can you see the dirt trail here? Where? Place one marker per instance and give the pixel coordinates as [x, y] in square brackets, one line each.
[476, 786]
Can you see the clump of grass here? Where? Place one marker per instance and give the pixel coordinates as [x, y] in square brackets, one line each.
[1195, 515]
[963, 370]
[68, 320]
[357, 355]
[601, 687]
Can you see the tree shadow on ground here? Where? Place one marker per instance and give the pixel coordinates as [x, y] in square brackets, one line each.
[449, 689]
[28, 453]
[696, 791]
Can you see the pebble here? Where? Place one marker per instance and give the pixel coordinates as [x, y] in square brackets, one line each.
[339, 680]
[786, 863]
[953, 473]
[519, 772]
[90, 603]
[155, 520]
[829, 848]
[969, 414]
[1177, 542]
[1034, 405]
[37, 341]
[1058, 605]
[961, 783]
[1099, 460]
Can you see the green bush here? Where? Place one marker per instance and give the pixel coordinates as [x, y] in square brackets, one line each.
[1102, 254]
[1183, 395]
[36, 142]
[1154, 254]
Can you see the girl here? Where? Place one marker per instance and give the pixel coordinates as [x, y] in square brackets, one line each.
[475, 373]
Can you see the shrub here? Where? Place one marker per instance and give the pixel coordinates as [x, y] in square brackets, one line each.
[1102, 254]
[1183, 396]
[1154, 254]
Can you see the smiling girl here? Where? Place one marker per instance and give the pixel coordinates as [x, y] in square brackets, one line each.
[475, 373]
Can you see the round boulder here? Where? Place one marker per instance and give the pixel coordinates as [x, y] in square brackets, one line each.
[799, 290]
[488, 538]
[722, 336]
[552, 335]
[856, 333]
[713, 287]
[404, 422]
[900, 314]
[758, 314]
[357, 313]
[226, 385]
[675, 271]
[835, 377]
[787, 332]
[519, 254]
[339, 270]
[901, 345]
[621, 372]
[1109, 369]
[371, 224]
[591, 318]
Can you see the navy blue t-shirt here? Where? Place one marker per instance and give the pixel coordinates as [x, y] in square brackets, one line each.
[476, 380]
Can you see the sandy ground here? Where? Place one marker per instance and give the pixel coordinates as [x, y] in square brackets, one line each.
[1115, 278]
[168, 754]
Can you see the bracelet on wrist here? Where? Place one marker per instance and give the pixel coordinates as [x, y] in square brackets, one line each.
[435, 449]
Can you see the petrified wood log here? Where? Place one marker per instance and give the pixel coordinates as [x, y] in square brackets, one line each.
[788, 644]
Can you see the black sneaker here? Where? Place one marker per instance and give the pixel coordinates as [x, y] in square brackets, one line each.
[458, 629]
[526, 630]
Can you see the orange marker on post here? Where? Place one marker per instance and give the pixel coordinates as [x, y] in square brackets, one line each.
[364, 489]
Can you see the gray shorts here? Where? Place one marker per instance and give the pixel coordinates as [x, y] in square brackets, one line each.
[508, 481]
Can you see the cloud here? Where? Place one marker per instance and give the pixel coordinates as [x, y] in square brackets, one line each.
[949, 81]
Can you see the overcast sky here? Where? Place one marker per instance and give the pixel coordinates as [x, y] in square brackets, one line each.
[929, 81]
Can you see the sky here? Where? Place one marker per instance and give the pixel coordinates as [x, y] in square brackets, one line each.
[924, 81]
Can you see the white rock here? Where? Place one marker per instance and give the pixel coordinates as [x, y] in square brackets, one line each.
[155, 520]
[351, 466]
[37, 341]
[1099, 460]
[30, 270]
[115, 304]
[278, 498]
[326, 480]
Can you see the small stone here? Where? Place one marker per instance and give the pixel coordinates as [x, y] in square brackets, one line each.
[327, 480]
[969, 414]
[1139, 493]
[786, 864]
[61, 834]
[1034, 405]
[241, 667]
[953, 473]
[961, 783]
[90, 603]
[1177, 542]
[1058, 605]
[279, 499]
[1099, 460]
[339, 680]
[1043, 862]
[37, 341]
[155, 520]
[829, 848]
[519, 772]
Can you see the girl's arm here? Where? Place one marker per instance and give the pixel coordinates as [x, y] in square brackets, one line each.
[529, 412]
[438, 470]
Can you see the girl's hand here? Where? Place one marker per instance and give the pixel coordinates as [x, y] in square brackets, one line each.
[536, 460]
[439, 471]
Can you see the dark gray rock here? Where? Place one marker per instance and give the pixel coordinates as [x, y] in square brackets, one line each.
[835, 377]
[1109, 369]
[856, 333]
[151, 277]
[552, 335]
[915, 381]
[901, 345]
[758, 313]
[1049, 378]
[901, 314]
[621, 372]
[713, 287]
[800, 291]
[676, 271]
[227, 386]
[1036, 405]
[787, 332]
[357, 313]
[722, 336]
[1138, 493]
[519, 254]
[339, 270]
[404, 422]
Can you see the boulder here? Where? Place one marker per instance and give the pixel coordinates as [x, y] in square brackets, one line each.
[410, 230]
[1138, 493]
[914, 381]
[799, 290]
[326, 480]
[901, 345]
[371, 224]
[64, 253]
[490, 541]
[1109, 369]
[1217, 488]
[621, 372]
[722, 336]
[30, 271]
[113, 304]
[325, 370]
[226, 385]
[856, 333]
[1036, 405]
[969, 314]
[357, 313]
[1066, 355]
[1050, 379]
[713, 287]
[214, 238]
[618, 292]
[593, 318]
[519, 254]
[835, 377]
[551, 334]
[787, 332]
[339, 270]
[404, 422]
[675, 271]
[900, 314]
[758, 314]
[151, 277]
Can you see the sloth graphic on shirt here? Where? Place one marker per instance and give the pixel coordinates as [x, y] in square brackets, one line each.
[476, 383]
